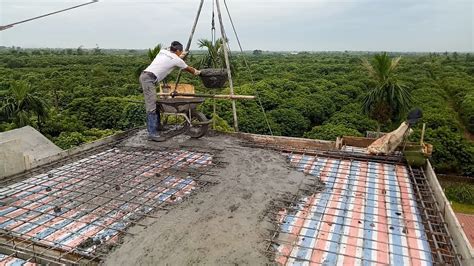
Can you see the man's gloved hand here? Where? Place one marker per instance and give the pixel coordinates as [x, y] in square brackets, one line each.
[183, 54]
[197, 72]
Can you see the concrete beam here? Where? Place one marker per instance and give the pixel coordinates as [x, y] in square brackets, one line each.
[288, 142]
[73, 151]
[460, 239]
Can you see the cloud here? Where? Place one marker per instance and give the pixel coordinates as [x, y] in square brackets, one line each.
[403, 25]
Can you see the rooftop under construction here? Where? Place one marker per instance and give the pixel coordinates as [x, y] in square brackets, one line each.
[222, 199]
[240, 198]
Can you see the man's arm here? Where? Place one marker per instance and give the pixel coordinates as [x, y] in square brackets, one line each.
[192, 70]
[182, 65]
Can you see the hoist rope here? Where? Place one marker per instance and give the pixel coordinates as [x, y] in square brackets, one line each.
[188, 45]
[213, 25]
[248, 68]
[213, 41]
[45, 15]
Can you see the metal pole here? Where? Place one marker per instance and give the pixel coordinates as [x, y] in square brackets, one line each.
[188, 45]
[226, 55]
[45, 15]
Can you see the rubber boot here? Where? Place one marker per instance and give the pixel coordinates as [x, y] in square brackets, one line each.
[151, 126]
[159, 126]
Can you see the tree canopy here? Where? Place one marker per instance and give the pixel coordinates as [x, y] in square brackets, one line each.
[78, 95]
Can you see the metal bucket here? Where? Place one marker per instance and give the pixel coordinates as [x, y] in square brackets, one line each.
[214, 78]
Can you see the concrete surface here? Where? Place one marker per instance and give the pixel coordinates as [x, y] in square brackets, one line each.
[222, 224]
[22, 149]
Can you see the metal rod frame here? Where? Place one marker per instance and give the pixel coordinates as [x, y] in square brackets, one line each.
[188, 45]
[4, 27]
[101, 179]
[441, 243]
[227, 63]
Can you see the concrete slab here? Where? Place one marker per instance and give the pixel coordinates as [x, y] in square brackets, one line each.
[228, 222]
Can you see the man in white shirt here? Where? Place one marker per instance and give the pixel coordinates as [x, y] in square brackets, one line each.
[162, 65]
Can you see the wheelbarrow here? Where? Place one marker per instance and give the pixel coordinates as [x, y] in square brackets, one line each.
[179, 115]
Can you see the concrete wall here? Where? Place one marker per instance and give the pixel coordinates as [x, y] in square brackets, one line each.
[287, 142]
[455, 229]
[11, 160]
[62, 153]
[22, 149]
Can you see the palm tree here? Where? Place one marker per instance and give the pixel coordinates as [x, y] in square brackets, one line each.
[20, 104]
[215, 53]
[388, 98]
[152, 53]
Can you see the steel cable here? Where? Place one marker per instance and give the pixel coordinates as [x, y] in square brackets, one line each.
[248, 68]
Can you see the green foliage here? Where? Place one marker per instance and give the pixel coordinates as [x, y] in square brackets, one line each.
[467, 111]
[215, 53]
[317, 108]
[21, 104]
[451, 153]
[84, 110]
[353, 120]
[152, 53]
[108, 112]
[331, 132]
[388, 98]
[66, 140]
[15, 63]
[221, 125]
[460, 193]
[61, 122]
[133, 115]
[290, 122]
[87, 88]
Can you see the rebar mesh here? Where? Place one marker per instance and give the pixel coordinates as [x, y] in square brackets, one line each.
[73, 211]
[368, 211]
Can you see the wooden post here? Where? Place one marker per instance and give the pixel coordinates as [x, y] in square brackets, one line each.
[188, 45]
[227, 62]
[422, 134]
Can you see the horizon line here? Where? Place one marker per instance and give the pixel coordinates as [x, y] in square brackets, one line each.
[251, 50]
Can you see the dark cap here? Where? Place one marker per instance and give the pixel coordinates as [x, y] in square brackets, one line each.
[176, 46]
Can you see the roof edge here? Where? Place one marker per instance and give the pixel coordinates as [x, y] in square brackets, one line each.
[460, 239]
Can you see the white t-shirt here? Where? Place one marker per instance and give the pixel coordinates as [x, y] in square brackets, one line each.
[164, 63]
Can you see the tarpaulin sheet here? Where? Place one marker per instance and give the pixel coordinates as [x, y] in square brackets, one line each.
[90, 212]
[366, 214]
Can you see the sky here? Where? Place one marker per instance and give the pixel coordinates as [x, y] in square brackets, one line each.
[270, 25]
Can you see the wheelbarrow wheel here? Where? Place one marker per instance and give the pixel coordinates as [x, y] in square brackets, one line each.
[168, 129]
[199, 125]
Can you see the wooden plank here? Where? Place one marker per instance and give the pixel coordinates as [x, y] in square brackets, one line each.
[215, 96]
[288, 142]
